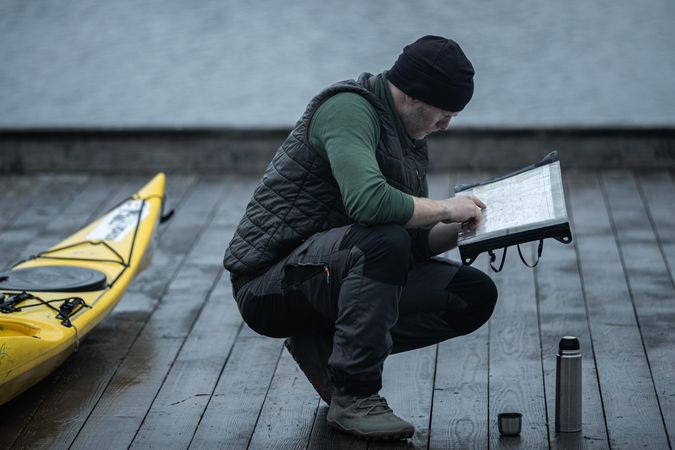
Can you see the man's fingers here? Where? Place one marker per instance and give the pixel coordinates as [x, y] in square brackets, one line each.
[478, 217]
[478, 202]
[467, 209]
[470, 224]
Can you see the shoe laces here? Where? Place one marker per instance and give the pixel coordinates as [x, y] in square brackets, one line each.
[373, 405]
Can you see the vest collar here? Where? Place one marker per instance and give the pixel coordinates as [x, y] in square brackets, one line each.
[378, 85]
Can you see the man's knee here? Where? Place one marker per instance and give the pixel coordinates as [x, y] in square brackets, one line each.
[486, 298]
[384, 251]
[480, 301]
[390, 238]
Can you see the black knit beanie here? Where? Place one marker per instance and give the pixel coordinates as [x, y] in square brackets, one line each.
[436, 71]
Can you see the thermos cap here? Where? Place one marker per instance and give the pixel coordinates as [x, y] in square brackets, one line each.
[568, 343]
[509, 423]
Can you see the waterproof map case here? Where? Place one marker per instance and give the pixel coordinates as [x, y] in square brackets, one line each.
[523, 206]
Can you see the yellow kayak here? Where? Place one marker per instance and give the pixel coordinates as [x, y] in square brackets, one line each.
[50, 302]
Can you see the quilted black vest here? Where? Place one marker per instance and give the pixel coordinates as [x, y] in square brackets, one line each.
[298, 196]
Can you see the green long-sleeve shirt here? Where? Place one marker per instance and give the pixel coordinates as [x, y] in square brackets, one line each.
[344, 131]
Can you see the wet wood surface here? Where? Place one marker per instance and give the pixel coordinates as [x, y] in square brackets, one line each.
[174, 366]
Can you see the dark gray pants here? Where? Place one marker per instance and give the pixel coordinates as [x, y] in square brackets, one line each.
[359, 286]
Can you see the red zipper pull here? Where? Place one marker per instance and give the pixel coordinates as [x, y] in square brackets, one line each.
[327, 270]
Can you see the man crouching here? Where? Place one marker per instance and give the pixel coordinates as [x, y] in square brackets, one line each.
[336, 250]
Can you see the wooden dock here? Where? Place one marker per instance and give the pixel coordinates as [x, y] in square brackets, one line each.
[174, 367]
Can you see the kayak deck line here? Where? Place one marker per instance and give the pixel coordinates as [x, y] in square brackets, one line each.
[69, 308]
[69, 305]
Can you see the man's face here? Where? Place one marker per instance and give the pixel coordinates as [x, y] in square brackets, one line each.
[421, 119]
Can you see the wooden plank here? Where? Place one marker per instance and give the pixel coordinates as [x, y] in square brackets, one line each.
[49, 199]
[21, 194]
[127, 398]
[657, 190]
[289, 409]
[9, 186]
[650, 286]
[175, 413]
[460, 408]
[631, 408]
[516, 380]
[562, 312]
[6, 184]
[232, 411]
[90, 370]
[171, 420]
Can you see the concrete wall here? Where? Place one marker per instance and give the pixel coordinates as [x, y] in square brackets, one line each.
[249, 151]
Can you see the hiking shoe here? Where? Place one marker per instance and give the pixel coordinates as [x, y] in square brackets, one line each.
[311, 352]
[367, 417]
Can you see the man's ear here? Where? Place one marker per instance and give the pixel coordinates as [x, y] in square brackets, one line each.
[408, 100]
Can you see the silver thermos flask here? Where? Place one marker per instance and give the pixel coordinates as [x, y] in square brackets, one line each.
[568, 386]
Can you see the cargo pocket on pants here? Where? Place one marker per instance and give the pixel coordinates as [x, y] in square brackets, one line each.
[310, 282]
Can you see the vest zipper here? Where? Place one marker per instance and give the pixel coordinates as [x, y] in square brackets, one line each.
[419, 182]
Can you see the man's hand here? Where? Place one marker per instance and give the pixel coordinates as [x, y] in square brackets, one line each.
[466, 210]
[463, 209]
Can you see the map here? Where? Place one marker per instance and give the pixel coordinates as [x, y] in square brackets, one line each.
[527, 200]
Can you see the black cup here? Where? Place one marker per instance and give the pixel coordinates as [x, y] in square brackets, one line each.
[509, 423]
